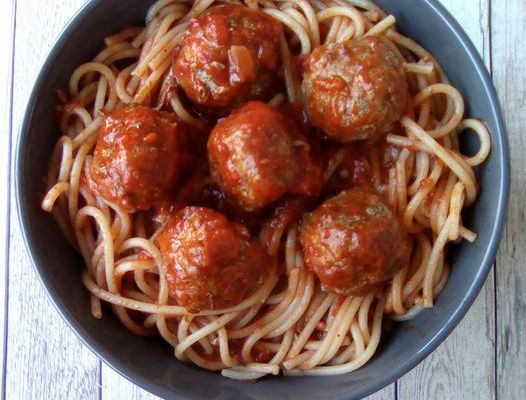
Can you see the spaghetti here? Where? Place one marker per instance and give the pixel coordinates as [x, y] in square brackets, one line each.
[288, 324]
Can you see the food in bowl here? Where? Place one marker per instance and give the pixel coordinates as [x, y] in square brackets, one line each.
[263, 202]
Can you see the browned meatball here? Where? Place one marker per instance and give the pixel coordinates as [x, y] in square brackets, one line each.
[355, 90]
[137, 157]
[354, 242]
[257, 155]
[228, 55]
[211, 263]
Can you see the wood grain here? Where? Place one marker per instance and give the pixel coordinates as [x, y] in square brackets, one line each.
[7, 18]
[45, 360]
[463, 366]
[509, 67]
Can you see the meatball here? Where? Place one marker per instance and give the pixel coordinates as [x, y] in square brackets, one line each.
[354, 242]
[228, 55]
[355, 90]
[137, 157]
[211, 263]
[257, 155]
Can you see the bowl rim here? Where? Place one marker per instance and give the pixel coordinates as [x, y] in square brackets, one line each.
[503, 159]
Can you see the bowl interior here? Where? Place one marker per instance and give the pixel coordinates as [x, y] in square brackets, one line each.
[149, 362]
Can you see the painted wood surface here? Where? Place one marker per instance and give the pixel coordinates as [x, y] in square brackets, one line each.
[7, 26]
[484, 358]
[509, 72]
[44, 359]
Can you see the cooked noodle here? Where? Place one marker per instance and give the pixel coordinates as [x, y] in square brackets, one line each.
[306, 330]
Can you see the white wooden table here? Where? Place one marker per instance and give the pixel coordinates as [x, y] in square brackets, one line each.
[484, 358]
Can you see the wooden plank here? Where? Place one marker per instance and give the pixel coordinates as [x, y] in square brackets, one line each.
[45, 360]
[7, 16]
[509, 66]
[463, 366]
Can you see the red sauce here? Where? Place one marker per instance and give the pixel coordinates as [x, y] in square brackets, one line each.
[287, 212]
[297, 113]
[228, 55]
[197, 189]
[363, 164]
[259, 353]
[355, 170]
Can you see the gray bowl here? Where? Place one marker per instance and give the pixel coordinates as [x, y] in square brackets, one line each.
[149, 362]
